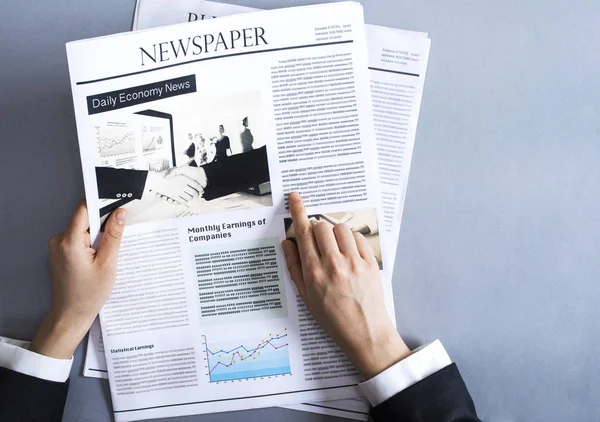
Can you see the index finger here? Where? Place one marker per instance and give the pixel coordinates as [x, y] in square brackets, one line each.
[79, 223]
[307, 246]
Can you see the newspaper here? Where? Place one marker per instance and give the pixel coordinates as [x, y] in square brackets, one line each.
[201, 130]
[397, 64]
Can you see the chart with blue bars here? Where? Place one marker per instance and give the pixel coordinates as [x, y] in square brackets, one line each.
[251, 358]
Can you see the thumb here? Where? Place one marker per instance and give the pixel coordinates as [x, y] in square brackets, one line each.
[111, 239]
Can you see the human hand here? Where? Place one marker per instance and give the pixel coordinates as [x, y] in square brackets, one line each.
[337, 277]
[82, 280]
[197, 174]
[174, 186]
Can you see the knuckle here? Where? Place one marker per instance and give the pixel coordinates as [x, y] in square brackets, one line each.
[64, 245]
[336, 274]
[373, 264]
[313, 274]
[335, 267]
[331, 262]
[113, 234]
[357, 265]
[304, 230]
[105, 265]
[54, 240]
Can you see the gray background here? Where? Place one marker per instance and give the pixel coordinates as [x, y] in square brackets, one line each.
[500, 243]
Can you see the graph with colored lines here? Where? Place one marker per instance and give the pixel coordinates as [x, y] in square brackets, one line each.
[238, 360]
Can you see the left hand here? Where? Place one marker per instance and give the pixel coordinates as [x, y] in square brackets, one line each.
[82, 280]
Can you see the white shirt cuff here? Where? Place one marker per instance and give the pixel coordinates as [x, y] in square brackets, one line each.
[423, 362]
[15, 356]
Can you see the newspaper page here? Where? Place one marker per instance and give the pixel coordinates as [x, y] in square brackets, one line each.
[397, 96]
[201, 130]
[94, 365]
[397, 64]
[154, 13]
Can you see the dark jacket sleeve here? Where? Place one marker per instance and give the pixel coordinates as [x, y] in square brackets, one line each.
[236, 173]
[120, 183]
[441, 397]
[28, 399]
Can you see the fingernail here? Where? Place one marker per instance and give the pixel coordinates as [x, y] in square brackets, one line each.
[121, 216]
[292, 239]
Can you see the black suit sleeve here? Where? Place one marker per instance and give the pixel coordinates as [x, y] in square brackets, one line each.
[236, 173]
[441, 397]
[28, 399]
[120, 183]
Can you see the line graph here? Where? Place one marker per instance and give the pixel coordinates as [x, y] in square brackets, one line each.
[149, 143]
[248, 359]
[114, 140]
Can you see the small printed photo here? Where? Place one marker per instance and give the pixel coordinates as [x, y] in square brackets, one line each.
[362, 221]
[200, 158]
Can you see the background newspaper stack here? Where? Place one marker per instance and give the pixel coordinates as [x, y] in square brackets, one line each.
[397, 62]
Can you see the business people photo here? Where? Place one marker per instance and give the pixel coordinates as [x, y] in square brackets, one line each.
[223, 145]
[184, 184]
[246, 136]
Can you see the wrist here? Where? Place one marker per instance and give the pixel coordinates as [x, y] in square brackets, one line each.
[151, 178]
[383, 350]
[59, 335]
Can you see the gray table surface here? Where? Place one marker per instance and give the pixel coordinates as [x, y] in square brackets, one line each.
[499, 254]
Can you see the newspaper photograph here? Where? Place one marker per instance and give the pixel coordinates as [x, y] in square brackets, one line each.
[180, 161]
[359, 221]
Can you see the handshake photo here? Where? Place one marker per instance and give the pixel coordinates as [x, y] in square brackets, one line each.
[177, 185]
[238, 174]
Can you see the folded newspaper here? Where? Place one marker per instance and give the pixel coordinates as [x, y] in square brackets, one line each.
[194, 274]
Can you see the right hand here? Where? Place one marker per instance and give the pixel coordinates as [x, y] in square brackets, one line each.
[197, 174]
[175, 185]
[337, 277]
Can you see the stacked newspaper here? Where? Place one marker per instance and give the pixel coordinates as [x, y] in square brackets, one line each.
[201, 129]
